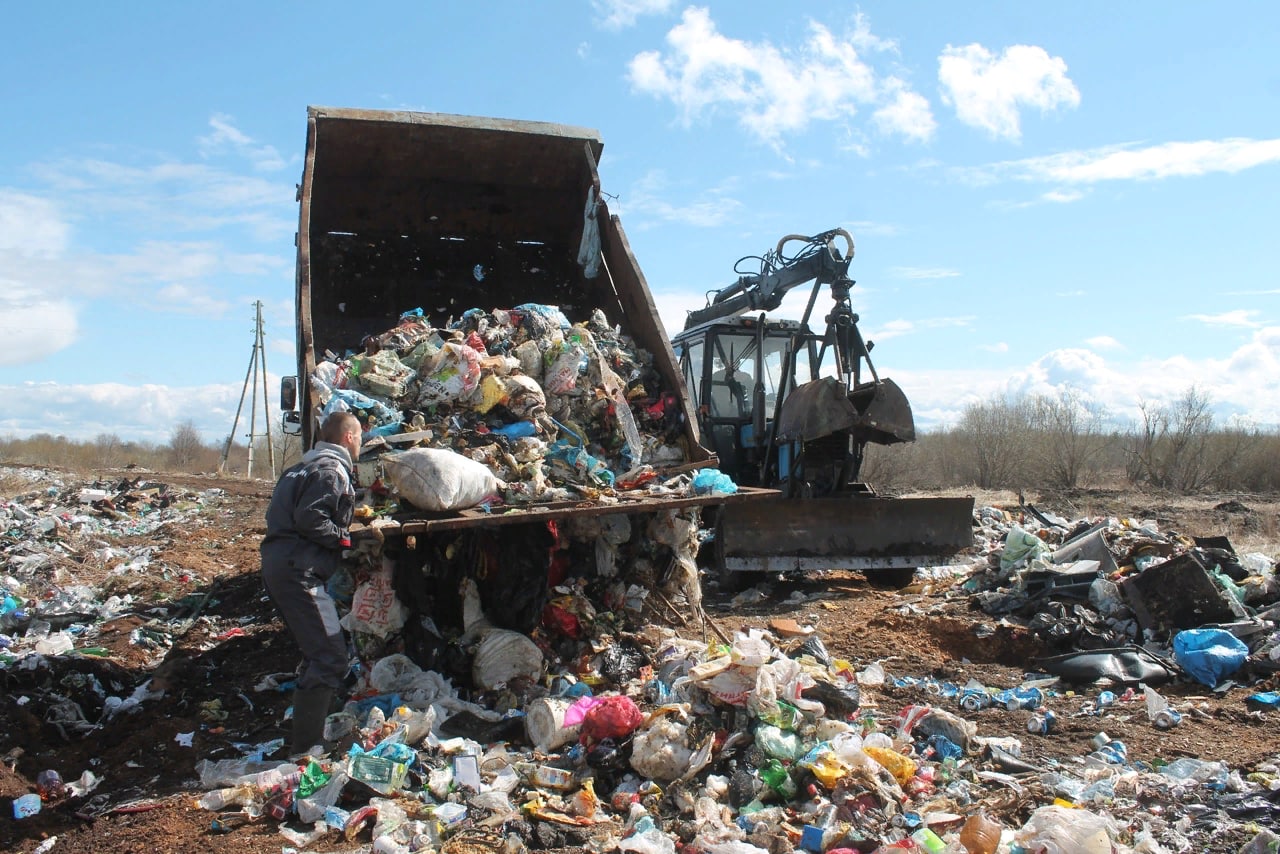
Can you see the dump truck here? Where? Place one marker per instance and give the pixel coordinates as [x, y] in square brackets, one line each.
[448, 213]
[792, 410]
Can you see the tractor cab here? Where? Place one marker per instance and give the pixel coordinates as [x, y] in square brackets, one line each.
[737, 371]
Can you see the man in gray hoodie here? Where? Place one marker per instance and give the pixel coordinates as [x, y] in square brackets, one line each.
[307, 522]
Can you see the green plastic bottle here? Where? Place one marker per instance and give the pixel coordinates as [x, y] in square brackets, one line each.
[776, 777]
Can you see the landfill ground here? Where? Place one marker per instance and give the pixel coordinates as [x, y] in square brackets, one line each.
[148, 778]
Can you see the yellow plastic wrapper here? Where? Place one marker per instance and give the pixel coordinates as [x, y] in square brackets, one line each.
[901, 767]
[492, 391]
[830, 770]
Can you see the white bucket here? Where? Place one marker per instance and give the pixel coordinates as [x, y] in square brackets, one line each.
[544, 723]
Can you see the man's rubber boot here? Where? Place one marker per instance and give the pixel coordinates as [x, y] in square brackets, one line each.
[310, 708]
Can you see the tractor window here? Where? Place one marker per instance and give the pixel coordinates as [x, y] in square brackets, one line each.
[690, 357]
[733, 376]
[775, 357]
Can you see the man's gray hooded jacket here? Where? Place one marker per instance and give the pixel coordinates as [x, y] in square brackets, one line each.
[309, 513]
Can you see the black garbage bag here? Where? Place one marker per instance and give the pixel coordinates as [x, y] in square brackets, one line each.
[812, 646]
[469, 725]
[1124, 665]
[838, 699]
[623, 661]
[1064, 626]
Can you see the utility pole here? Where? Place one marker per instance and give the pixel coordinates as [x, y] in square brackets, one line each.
[257, 368]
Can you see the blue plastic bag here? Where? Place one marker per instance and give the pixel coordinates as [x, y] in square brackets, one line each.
[713, 482]
[1209, 655]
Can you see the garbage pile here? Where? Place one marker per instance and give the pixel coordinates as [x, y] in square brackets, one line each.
[64, 543]
[754, 745]
[1118, 599]
[581, 732]
[513, 404]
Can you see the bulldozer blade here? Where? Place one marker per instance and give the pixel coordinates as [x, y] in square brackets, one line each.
[872, 412]
[841, 532]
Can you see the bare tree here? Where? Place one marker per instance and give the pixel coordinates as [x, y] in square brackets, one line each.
[109, 449]
[185, 445]
[1071, 433]
[992, 441]
[1171, 448]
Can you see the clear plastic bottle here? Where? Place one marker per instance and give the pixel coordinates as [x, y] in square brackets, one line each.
[981, 834]
[228, 797]
[49, 785]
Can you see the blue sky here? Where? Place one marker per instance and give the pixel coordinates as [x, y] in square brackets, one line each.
[1042, 195]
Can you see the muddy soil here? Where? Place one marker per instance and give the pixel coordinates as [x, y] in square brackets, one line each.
[233, 639]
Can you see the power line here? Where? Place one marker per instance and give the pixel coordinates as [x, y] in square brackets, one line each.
[251, 380]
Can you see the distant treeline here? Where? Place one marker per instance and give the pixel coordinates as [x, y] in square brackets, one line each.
[186, 451]
[1065, 442]
[1015, 443]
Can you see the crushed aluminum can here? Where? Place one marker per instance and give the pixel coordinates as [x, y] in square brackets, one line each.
[1166, 719]
[1023, 698]
[974, 701]
[1042, 723]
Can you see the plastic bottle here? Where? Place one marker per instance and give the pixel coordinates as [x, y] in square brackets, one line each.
[228, 797]
[49, 785]
[928, 840]
[981, 834]
[776, 777]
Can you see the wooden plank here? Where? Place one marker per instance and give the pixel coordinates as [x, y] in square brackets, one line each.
[306, 342]
[538, 513]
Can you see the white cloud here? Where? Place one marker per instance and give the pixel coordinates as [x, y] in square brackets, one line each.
[988, 91]
[172, 195]
[907, 113]
[714, 208]
[923, 272]
[31, 225]
[1239, 318]
[33, 325]
[618, 14]
[134, 412]
[186, 299]
[1127, 162]
[869, 227]
[900, 327]
[226, 137]
[1104, 342]
[1062, 197]
[777, 91]
[997, 347]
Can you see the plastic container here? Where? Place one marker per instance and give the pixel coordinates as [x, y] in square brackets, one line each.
[981, 834]
[26, 806]
[551, 778]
